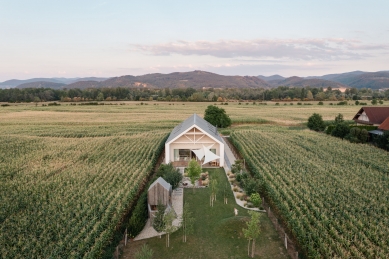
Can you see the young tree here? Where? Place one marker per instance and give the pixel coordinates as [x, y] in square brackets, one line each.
[187, 222]
[158, 223]
[194, 171]
[213, 189]
[316, 123]
[168, 225]
[309, 95]
[217, 116]
[144, 253]
[339, 118]
[252, 231]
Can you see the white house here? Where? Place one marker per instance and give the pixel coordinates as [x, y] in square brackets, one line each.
[195, 138]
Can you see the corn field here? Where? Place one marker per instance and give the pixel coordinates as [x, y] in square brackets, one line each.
[332, 195]
[65, 188]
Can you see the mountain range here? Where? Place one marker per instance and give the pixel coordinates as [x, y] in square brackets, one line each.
[203, 79]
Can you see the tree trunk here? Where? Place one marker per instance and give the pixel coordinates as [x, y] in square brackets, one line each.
[253, 249]
[248, 248]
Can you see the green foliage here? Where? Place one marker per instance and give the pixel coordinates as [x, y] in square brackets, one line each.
[255, 199]
[374, 101]
[341, 130]
[339, 118]
[316, 123]
[158, 222]
[292, 169]
[144, 253]
[139, 216]
[320, 103]
[253, 230]
[187, 221]
[194, 171]
[342, 103]
[357, 135]
[217, 116]
[250, 186]
[170, 174]
[382, 141]
[237, 166]
[100, 97]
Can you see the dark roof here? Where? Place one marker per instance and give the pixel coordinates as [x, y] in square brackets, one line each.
[197, 121]
[375, 114]
[376, 132]
[384, 125]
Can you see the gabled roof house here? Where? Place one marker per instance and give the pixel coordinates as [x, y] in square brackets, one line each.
[372, 115]
[195, 138]
[159, 191]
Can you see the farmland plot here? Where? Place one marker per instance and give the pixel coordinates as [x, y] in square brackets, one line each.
[66, 185]
[332, 194]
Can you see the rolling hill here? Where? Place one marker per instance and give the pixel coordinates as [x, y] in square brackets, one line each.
[41, 84]
[203, 79]
[195, 79]
[296, 81]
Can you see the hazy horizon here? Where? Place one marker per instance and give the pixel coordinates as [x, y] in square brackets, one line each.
[45, 39]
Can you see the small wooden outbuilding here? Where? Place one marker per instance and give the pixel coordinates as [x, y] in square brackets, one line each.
[159, 191]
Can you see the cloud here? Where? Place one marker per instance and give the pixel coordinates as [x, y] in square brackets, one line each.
[292, 49]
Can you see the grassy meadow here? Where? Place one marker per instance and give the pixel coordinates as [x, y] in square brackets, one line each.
[68, 173]
[217, 232]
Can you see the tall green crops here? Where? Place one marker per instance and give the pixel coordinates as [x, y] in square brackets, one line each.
[64, 201]
[332, 194]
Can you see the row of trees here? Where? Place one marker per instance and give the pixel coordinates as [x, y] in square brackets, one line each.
[348, 130]
[187, 94]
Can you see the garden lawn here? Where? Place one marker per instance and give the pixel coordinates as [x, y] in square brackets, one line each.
[217, 232]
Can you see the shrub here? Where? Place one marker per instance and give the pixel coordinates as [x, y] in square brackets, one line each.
[144, 253]
[316, 123]
[170, 174]
[158, 223]
[340, 130]
[320, 103]
[251, 186]
[342, 103]
[139, 216]
[255, 199]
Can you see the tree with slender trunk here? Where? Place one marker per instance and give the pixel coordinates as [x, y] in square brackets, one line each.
[187, 222]
[252, 231]
[213, 187]
[168, 225]
[194, 171]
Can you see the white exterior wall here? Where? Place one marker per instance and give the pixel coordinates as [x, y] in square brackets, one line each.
[363, 117]
[193, 143]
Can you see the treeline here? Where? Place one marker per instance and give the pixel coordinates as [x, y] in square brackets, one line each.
[189, 94]
[348, 130]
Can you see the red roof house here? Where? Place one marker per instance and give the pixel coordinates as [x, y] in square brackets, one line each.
[372, 115]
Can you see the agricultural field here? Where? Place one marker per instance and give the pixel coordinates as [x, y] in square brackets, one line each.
[68, 173]
[332, 195]
[67, 178]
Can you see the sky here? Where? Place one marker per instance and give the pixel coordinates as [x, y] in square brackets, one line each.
[83, 38]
